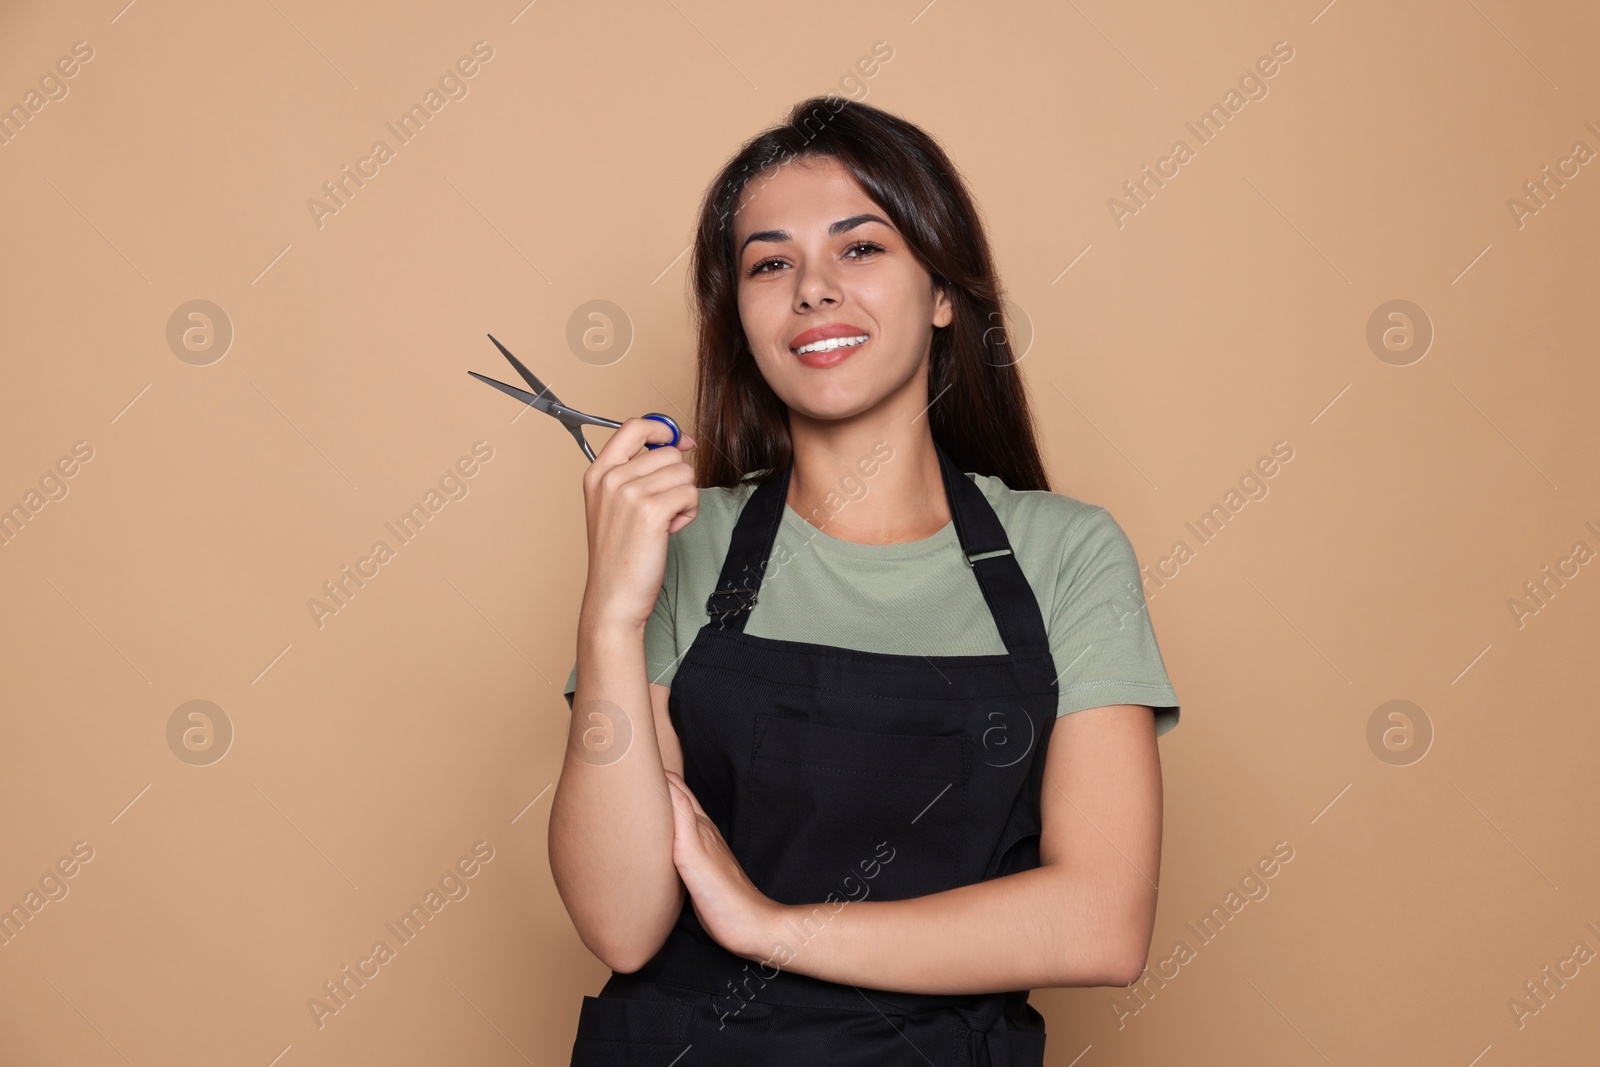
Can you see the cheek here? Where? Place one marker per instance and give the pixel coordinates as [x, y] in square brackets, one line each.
[764, 312]
[896, 304]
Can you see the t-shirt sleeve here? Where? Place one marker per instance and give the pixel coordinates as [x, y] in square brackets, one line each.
[660, 632]
[1100, 633]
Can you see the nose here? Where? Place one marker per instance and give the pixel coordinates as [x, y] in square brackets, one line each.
[816, 286]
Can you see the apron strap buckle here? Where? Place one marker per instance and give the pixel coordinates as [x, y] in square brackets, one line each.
[973, 557]
[740, 603]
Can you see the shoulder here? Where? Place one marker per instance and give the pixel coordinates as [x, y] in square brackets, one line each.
[1072, 552]
[704, 542]
[1047, 526]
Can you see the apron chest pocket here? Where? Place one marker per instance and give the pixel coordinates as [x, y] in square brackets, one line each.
[855, 814]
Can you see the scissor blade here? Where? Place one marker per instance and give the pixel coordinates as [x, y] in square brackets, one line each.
[543, 403]
[527, 375]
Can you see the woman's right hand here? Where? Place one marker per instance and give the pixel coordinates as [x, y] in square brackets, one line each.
[633, 498]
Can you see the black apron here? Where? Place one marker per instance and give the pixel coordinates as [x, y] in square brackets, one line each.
[839, 775]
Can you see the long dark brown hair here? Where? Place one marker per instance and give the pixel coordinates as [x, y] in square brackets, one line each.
[980, 413]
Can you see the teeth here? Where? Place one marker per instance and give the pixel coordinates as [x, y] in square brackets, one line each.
[830, 344]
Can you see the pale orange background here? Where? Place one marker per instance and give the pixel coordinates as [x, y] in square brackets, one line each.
[1228, 314]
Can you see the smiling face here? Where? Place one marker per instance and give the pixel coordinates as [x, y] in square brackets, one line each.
[819, 261]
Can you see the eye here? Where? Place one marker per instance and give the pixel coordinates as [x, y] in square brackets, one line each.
[760, 267]
[867, 248]
[868, 245]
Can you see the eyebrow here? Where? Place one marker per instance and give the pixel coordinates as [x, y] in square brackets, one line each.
[834, 230]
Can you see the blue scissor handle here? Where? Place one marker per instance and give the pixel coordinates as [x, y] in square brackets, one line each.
[670, 424]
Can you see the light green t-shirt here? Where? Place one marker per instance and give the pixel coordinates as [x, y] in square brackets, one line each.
[922, 598]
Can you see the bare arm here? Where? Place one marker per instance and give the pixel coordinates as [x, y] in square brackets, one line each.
[610, 838]
[1083, 917]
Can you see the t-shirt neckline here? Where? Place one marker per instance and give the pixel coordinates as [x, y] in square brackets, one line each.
[940, 541]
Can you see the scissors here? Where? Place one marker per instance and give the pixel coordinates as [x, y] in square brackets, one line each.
[544, 400]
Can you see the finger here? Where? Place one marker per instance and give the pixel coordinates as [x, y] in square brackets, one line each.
[682, 818]
[647, 476]
[693, 800]
[630, 438]
[661, 494]
[619, 467]
[687, 514]
[677, 504]
[706, 825]
[668, 500]
[684, 798]
[681, 788]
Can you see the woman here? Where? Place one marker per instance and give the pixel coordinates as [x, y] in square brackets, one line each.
[854, 824]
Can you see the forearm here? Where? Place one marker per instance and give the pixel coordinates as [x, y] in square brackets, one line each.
[1047, 926]
[610, 838]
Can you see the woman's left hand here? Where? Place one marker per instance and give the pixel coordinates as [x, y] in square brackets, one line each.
[734, 912]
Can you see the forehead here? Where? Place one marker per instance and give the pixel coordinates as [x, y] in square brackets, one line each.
[803, 194]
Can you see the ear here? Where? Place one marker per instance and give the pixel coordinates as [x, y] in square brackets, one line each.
[944, 311]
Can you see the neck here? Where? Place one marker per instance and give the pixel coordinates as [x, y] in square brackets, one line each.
[872, 481]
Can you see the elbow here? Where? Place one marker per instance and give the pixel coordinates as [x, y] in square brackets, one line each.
[1135, 925]
[623, 963]
[1125, 968]
[1114, 966]
[626, 947]
[1115, 961]
[1130, 955]
[625, 958]
[1113, 947]
[1123, 948]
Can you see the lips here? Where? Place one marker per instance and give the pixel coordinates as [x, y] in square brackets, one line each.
[823, 333]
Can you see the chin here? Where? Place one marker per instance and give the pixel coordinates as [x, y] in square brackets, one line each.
[833, 408]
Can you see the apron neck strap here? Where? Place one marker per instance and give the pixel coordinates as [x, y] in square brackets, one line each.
[983, 542]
